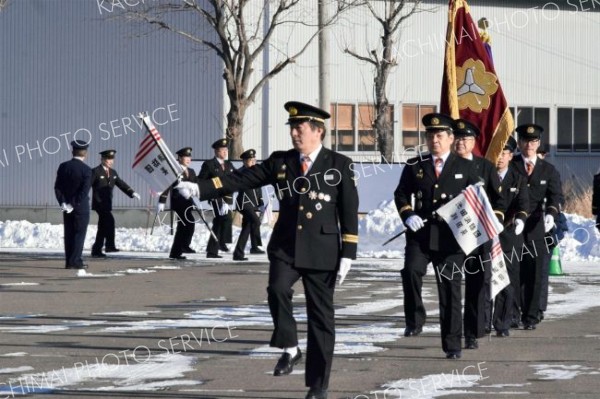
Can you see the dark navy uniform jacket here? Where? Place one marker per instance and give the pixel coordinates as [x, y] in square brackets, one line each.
[418, 179]
[544, 182]
[211, 169]
[250, 198]
[102, 188]
[72, 186]
[516, 194]
[318, 213]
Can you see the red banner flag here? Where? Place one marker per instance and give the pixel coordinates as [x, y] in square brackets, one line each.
[470, 88]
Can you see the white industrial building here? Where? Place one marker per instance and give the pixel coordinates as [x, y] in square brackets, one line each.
[67, 69]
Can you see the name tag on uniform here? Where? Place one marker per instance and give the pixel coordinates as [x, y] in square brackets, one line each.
[329, 177]
[513, 189]
[458, 176]
[542, 181]
[102, 177]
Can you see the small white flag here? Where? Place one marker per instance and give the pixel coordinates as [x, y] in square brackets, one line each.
[154, 161]
[500, 277]
[471, 218]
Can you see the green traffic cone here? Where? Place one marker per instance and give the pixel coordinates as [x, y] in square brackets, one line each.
[555, 266]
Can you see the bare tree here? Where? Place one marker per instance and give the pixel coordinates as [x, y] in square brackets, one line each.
[3, 4]
[389, 14]
[238, 32]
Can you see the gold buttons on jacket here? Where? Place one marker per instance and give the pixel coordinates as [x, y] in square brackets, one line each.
[299, 227]
[303, 189]
[309, 215]
[301, 208]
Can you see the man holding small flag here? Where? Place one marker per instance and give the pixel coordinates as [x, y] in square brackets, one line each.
[477, 267]
[430, 181]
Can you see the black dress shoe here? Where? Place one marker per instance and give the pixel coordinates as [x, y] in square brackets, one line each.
[528, 326]
[285, 364]
[540, 316]
[177, 257]
[453, 355]
[98, 255]
[188, 250]
[412, 331]
[213, 256]
[224, 249]
[240, 258]
[112, 250]
[82, 266]
[257, 251]
[316, 393]
[502, 333]
[471, 343]
[515, 324]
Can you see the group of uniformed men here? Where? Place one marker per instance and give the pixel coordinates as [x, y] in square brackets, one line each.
[525, 193]
[315, 236]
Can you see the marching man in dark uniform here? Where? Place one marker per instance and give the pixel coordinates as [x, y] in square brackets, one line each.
[543, 182]
[104, 180]
[516, 195]
[248, 202]
[477, 269]
[72, 187]
[183, 208]
[219, 166]
[430, 181]
[314, 237]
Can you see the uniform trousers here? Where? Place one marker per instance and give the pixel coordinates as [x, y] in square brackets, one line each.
[319, 287]
[478, 275]
[221, 226]
[106, 231]
[75, 229]
[185, 231]
[448, 267]
[531, 276]
[250, 228]
[507, 300]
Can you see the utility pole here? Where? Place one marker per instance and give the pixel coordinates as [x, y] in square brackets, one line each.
[324, 100]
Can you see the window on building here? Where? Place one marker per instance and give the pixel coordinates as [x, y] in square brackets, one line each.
[413, 131]
[342, 127]
[539, 116]
[595, 131]
[352, 127]
[578, 129]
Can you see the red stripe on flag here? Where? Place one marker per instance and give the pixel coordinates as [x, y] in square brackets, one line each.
[477, 206]
[141, 155]
[142, 150]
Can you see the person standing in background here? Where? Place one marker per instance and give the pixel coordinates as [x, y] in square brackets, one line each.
[104, 180]
[72, 187]
[543, 181]
[248, 202]
[219, 166]
[182, 207]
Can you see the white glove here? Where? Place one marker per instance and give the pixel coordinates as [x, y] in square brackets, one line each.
[345, 264]
[160, 207]
[414, 223]
[66, 207]
[519, 226]
[136, 196]
[548, 223]
[188, 189]
[225, 209]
